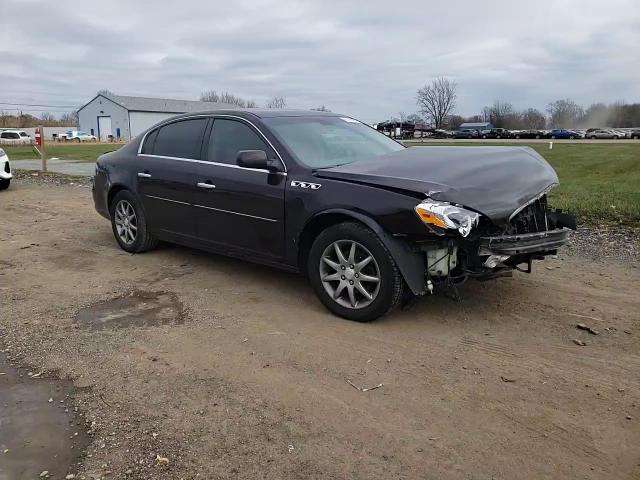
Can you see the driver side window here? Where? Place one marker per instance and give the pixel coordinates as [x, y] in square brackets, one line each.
[228, 137]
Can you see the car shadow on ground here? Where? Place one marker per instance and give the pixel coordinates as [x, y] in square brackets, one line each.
[489, 297]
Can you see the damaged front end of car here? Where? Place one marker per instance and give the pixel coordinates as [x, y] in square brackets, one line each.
[467, 244]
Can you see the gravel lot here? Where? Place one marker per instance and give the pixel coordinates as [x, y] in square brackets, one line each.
[181, 364]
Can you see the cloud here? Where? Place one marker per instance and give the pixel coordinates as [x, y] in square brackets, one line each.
[366, 59]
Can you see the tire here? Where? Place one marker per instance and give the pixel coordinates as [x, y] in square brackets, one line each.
[518, 136]
[537, 136]
[594, 138]
[553, 137]
[4, 183]
[386, 293]
[635, 137]
[138, 239]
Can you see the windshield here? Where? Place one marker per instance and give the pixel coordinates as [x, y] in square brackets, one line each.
[321, 142]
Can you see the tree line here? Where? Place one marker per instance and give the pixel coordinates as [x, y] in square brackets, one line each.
[437, 101]
[46, 119]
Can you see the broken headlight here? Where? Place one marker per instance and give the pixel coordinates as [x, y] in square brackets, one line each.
[443, 215]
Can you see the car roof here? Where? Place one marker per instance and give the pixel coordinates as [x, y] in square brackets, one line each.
[265, 113]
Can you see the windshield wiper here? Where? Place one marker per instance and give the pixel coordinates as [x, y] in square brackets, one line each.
[331, 166]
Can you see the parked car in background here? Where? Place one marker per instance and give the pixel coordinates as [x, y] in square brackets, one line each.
[77, 136]
[562, 134]
[323, 194]
[5, 170]
[439, 133]
[603, 134]
[14, 137]
[465, 134]
[530, 134]
[635, 134]
[496, 133]
[621, 133]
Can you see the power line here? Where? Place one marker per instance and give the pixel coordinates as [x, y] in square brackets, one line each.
[37, 105]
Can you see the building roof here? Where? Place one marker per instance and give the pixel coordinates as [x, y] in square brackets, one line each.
[474, 124]
[168, 105]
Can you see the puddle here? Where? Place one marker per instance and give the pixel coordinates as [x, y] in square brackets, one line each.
[138, 309]
[35, 434]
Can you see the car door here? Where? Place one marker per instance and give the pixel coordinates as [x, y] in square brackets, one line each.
[240, 208]
[167, 170]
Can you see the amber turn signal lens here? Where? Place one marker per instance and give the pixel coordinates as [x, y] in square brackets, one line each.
[430, 218]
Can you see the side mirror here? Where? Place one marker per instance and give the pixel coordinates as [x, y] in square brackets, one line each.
[254, 159]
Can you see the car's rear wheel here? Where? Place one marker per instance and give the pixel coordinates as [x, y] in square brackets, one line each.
[537, 136]
[353, 273]
[4, 183]
[129, 224]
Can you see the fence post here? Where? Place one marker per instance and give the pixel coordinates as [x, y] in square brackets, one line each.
[43, 156]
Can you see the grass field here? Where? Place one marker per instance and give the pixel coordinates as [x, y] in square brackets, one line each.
[598, 182]
[83, 152]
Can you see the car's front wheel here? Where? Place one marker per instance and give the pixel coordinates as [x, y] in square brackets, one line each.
[4, 184]
[129, 224]
[353, 273]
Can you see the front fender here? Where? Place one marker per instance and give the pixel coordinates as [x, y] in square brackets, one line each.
[410, 263]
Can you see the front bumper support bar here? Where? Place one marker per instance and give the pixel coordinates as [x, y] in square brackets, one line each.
[523, 243]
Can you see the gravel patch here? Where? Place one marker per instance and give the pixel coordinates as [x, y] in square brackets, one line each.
[27, 177]
[606, 244]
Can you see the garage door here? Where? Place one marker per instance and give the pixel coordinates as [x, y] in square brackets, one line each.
[140, 121]
[104, 127]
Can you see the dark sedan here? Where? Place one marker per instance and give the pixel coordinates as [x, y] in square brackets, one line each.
[530, 134]
[369, 221]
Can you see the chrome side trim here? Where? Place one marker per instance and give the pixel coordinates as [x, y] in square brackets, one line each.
[237, 213]
[228, 165]
[212, 115]
[537, 197]
[167, 200]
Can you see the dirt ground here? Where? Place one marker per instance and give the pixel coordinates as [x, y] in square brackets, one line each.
[190, 365]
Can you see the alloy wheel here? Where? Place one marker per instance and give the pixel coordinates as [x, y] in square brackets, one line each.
[350, 274]
[126, 222]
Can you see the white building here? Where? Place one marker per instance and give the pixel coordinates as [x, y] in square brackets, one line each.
[126, 117]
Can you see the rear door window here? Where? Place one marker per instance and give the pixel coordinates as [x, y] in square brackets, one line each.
[181, 139]
[228, 137]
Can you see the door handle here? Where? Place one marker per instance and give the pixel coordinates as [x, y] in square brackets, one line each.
[210, 186]
[144, 175]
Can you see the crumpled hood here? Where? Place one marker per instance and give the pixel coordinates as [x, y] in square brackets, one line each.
[494, 181]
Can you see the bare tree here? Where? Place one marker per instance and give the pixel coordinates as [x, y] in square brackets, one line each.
[501, 114]
[47, 117]
[252, 104]
[231, 99]
[209, 96]
[277, 102]
[533, 118]
[437, 101]
[69, 119]
[106, 92]
[321, 108]
[565, 113]
[454, 121]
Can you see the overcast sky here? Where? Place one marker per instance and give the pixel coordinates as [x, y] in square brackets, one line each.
[362, 58]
